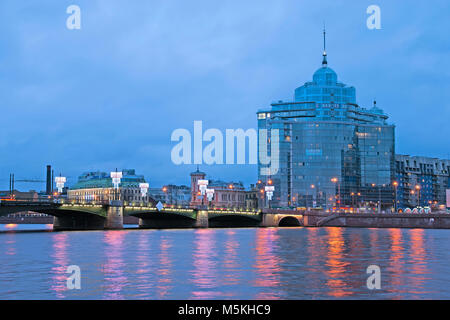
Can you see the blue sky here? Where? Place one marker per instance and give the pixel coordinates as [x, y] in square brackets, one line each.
[110, 95]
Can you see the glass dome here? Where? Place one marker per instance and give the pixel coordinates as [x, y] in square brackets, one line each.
[325, 76]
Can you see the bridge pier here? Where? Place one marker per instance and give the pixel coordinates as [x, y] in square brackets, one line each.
[202, 219]
[114, 215]
[269, 220]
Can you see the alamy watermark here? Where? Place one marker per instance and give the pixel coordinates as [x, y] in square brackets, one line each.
[236, 142]
[74, 280]
[374, 280]
[374, 20]
[74, 20]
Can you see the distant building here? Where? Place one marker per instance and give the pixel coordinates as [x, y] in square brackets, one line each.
[158, 195]
[18, 195]
[330, 148]
[254, 198]
[422, 181]
[97, 186]
[172, 194]
[21, 196]
[226, 194]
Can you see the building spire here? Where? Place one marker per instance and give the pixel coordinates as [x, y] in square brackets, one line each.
[324, 61]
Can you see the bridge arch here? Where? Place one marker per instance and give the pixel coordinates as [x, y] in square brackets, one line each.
[66, 217]
[289, 221]
[235, 221]
[163, 220]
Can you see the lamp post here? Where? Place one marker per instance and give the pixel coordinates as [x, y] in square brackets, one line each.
[60, 181]
[209, 195]
[418, 194]
[395, 184]
[379, 196]
[269, 193]
[336, 180]
[116, 177]
[358, 199]
[353, 199]
[412, 193]
[144, 189]
[312, 195]
[262, 199]
[203, 185]
[164, 189]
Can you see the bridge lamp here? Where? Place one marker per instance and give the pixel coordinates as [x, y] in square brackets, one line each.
[144, 189]
[202, 185]
[116, 177]
[269, 192]
[209, 194]
[60, 181]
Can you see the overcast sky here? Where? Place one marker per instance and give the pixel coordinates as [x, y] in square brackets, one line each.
[110, 95]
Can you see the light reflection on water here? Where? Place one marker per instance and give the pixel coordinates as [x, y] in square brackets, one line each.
[60, 263]
[249, 263]
[114, 268]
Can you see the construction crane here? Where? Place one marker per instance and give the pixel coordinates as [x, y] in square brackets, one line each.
[13, 180]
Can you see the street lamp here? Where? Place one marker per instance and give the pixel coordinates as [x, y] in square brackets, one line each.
[209, 195]
[312, 194]
[336, 180]
[395, 184]
[60, 181]
[353, 199]
[418, 194]
[144, 189]
[269, 193]
[202, 185]
[379, 196]
[116, 177]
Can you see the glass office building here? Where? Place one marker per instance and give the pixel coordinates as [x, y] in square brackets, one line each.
[332, 151]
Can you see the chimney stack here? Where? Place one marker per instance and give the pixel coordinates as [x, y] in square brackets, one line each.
[48, 189]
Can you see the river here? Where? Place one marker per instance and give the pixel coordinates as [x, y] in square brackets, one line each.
[242, 263]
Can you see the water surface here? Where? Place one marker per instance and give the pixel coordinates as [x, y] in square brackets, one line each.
[250, 263]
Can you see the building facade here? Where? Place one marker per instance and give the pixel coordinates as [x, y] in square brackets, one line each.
[226, 194]
[331, 150]
[422, 181]
[18, 195]
[172, 194]
[98, 187]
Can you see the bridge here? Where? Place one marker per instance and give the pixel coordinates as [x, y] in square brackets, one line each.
[95, 216]
[92, 216]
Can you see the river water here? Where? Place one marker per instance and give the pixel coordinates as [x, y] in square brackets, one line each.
[247, 263]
